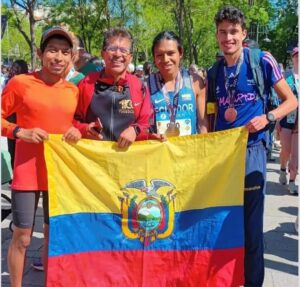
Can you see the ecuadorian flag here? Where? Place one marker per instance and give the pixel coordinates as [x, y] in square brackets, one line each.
[156, 215]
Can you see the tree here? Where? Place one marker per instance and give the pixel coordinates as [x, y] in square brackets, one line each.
[284, 34]
[23, 10]
[13, 46]
[86, 18]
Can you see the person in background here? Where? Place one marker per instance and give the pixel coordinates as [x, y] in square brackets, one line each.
[193, 69]
[17, 68]
[82, 63]
[71, 75]
[3, 76]
[130, 68]
[288, 133]
[178, 98]
[44, 103]
[139, 72]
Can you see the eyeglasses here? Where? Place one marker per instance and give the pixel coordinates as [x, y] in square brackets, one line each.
[114, 48]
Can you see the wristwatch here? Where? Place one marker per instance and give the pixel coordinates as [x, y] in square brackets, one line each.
[271, 118]
[137, 130]
[15, 131]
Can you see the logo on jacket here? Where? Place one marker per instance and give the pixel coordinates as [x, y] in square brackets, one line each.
[126, 107]
[146, 214]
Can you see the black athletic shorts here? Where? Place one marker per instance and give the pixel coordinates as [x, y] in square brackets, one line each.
[24, 205]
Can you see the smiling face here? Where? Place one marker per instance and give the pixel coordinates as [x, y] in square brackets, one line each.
[167, 57]
[117, 56]
[56, 57]
[230, 37]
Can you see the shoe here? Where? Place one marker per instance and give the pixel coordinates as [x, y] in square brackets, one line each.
[283, 177]
[293, 188]
[37, 264]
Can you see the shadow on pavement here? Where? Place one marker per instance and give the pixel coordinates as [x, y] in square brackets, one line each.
[282, 242]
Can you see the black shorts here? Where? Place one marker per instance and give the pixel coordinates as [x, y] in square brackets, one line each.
[24, 205]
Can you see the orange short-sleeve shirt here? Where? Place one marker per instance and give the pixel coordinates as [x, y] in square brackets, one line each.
[37, 105]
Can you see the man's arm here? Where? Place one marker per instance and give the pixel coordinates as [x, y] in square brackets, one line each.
[199, 90]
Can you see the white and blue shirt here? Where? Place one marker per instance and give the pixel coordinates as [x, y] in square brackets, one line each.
[186, 114]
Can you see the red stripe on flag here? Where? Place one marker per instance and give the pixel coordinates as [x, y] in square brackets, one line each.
[211, 268]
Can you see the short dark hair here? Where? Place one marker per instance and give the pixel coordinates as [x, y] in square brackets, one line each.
[230, 14]
[167, 35]
[18, 67]
[59, 37]
[117, 32]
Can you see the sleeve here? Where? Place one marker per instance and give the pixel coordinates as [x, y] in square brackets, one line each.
[11, 102]
[84, 98]
[271, 69]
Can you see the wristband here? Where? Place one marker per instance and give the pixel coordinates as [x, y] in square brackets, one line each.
[15, 131]
[137, 130]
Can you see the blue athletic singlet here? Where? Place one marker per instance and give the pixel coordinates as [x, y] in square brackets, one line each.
[186, 115]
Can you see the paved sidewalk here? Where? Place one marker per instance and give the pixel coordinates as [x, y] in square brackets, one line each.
[281, 240]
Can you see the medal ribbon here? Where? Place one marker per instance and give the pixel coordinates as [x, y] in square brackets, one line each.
[231, 87]
[172, 108]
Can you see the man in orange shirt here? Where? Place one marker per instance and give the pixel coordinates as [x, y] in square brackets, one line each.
[44, 103]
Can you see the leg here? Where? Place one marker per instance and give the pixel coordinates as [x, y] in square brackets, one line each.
[293, 164]
[23, 208]
[255, 183]
[46, 233]
[285, 140]
[16, 254]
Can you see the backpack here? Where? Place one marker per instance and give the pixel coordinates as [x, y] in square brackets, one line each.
[271, 99]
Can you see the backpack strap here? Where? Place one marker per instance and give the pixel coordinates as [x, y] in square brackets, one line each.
[211, 110]
[212, 79]
[254, 59]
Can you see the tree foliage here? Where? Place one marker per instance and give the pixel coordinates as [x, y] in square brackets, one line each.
[193, 20]
[16, 44]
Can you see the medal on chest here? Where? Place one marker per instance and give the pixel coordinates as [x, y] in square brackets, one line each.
[231, 113]
[172, 130]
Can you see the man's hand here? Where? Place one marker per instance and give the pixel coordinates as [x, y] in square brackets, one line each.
[35, 135]
[127, 137]
[72, 135]
[92, 133]
[159, 137]
[257, 124]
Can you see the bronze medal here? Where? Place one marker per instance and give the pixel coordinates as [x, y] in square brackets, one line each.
[172, 130]
[230, 115]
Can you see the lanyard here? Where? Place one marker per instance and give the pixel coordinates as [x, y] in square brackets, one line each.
[172, 108]
[231, 87]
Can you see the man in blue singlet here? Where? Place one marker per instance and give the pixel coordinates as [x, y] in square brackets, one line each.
[178, 98]
[238, 103]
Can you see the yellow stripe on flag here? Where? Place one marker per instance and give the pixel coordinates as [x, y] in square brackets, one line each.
[89, 176]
